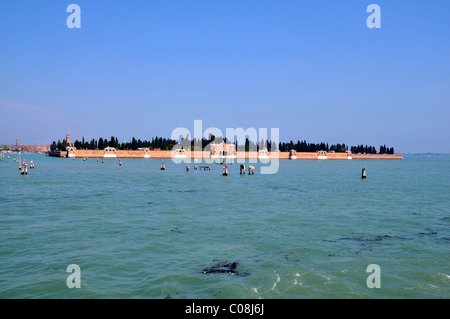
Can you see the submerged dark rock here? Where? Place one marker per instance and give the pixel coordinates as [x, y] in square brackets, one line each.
[377, 238]
[224, 267]
[365, 243]
[398, 237]
[429, 233]
[221, 268]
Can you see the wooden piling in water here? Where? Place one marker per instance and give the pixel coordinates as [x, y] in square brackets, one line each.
[363, 173]
[242, 169]
[251, 170]
[24, 170]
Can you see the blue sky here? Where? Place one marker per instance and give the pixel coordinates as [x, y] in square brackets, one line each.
[313, 69]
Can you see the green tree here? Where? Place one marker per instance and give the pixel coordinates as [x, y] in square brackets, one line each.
[134, 145]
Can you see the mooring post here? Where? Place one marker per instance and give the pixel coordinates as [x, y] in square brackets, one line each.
[24, 170]
[363, 174]
[242, 169]
[225, 170]
[251, 170]
[187, 168]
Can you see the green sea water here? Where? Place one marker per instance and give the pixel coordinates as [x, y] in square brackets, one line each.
[308, 231]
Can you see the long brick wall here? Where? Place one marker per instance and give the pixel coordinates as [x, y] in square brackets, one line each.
[240, 155]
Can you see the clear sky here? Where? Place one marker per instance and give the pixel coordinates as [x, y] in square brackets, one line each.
[313, 69]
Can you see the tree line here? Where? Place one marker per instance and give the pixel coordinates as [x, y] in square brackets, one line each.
[194, 144]
[371, 149]
[102, 143]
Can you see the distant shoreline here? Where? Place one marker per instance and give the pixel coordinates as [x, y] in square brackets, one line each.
[427, 154]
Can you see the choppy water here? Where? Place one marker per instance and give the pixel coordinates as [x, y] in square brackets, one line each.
[309, 231]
